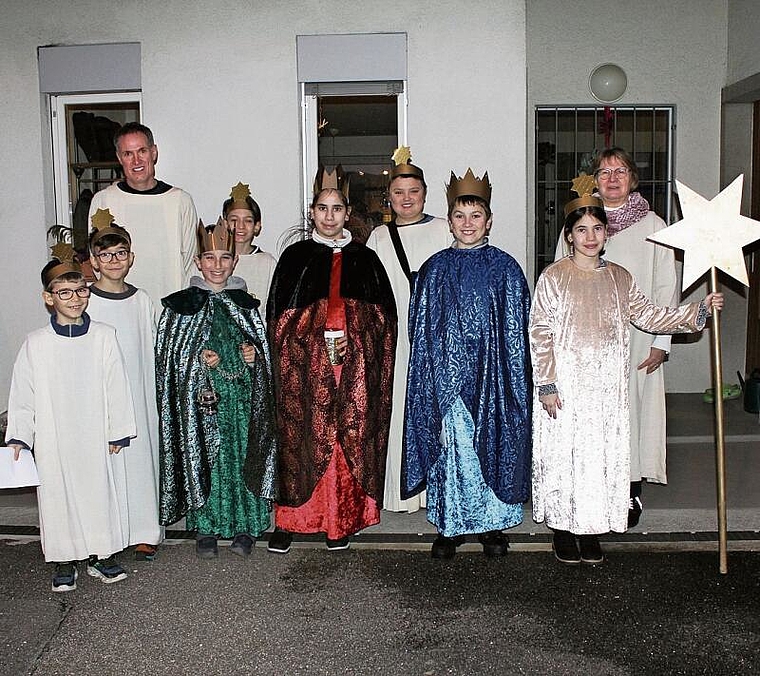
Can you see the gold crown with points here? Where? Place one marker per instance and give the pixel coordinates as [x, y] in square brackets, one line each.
[103, 224]
[402, 164]
[583, 186]
[64, 266]
[216, 238]
[468, 184]
[239, 195]
[335, 180]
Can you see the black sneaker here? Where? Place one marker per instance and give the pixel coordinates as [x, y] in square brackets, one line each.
[446, 548]
[65, 577]
[635, 508]
[280, 541]
[338, 545]
[566, 547]
[495, 543]
[591, 550]
[206, 547]
[106, 570]
[242, 544]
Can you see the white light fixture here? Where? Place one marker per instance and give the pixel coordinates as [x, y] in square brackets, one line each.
[607, 83]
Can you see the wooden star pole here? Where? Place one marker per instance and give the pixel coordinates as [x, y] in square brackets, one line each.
[712, 234]
[720, 439]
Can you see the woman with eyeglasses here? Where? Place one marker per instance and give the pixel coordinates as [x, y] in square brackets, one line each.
[630, 222]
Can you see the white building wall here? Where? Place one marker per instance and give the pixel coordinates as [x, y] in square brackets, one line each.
[672, 53]
[220, 93]
[743, 29]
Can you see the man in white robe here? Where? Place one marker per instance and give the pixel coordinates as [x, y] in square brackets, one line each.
[420, 236]
[160, 218]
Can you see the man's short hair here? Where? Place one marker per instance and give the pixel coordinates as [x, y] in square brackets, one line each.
[133, 128]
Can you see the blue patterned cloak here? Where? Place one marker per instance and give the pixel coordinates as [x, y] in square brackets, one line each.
[468, 328]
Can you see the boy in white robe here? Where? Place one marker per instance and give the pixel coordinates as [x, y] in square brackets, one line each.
[70, 402]
[131, 312]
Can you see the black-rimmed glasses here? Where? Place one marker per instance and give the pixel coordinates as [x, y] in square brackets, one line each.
[108, 256]
[68, 294]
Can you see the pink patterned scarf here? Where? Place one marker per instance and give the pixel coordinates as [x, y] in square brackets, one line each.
[631, 212]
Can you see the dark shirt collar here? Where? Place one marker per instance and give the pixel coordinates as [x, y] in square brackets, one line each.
[159, 189]
[108, 295]
[71, 330]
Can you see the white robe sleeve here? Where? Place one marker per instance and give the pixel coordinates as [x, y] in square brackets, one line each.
[119, 406]
[188, 225]
[21, 409]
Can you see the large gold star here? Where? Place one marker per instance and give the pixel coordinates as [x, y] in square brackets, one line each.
[711, 233]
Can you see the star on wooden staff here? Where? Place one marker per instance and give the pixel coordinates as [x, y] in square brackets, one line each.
[712, 235]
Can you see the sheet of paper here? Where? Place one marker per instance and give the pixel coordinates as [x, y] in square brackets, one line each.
[17, 473]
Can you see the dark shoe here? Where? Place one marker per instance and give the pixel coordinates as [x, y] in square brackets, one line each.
[338, 545]
[145, 552]
[205, 547]
[566, 547]
[106, 570]
[635, 508]
[591, 550]
[495, 543]
[446, 548]
[65, 577]
[280, 541]
[242, 544]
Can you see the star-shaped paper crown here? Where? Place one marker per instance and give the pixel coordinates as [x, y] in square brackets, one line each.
[240, 194]
[217, 238]
[583, 186]
[103, 224]
[63, 252]
[402, 165]
[334, 179]
[468, 185]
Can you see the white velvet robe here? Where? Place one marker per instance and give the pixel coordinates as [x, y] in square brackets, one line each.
[163, 231]
[654, 269]
[69, 397]
[135, 323]
[421, 241]
[580, 340]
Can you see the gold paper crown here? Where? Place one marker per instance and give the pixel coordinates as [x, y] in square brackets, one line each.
[239, 193]
[402, 166]
[468, 185]
[334, 179]
[64, 266]
[102, 224]
[583, 185]
[218, 238]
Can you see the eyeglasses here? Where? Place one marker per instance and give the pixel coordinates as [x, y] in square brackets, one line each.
[108, 256]
[68, 294]
[618, 172]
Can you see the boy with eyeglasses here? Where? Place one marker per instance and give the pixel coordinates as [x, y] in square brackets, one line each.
[131, 312]
[70, 402]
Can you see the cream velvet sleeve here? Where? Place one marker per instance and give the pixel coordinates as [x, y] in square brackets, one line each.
[542, 330]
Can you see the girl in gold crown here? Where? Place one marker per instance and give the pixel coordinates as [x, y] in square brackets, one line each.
[333, 401]
[580, 329]
[256, 267]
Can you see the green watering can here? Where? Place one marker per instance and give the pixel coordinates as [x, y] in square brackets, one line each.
[751, 391]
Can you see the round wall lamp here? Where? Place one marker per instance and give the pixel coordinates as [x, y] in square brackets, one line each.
[607, 83]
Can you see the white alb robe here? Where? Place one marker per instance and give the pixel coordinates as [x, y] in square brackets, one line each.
[421, 241]
[69, 398]
[163, 231]
[135, 322]
[257, 270]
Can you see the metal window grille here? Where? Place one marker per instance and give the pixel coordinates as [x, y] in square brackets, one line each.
[566, 140]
